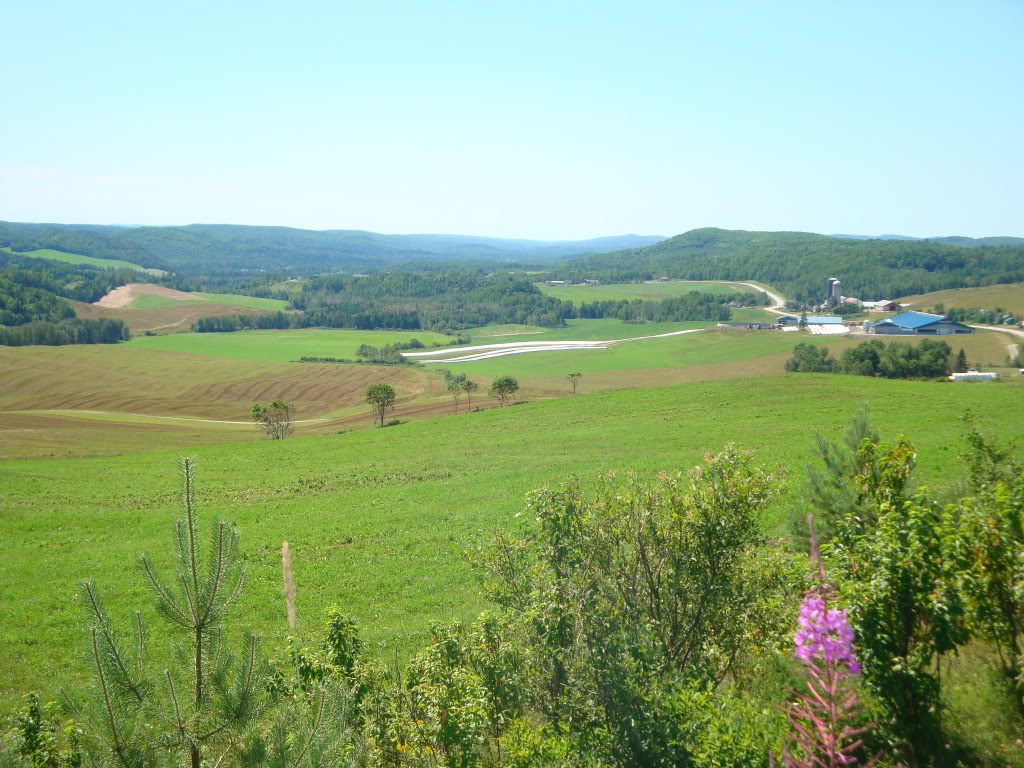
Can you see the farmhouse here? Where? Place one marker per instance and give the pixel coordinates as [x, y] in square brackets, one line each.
[917, 323]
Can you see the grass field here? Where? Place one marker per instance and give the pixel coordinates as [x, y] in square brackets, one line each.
[711, 354]
[281, 345]
[646, 290]
[378, 519]
[1008, 296]
[47, 393]
[149, 301]
[74, 258]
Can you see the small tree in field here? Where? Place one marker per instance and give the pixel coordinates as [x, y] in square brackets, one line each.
[573, 378]
[381, 397]
[455, 389]
[469, 387]
[502, 388]
[275, 418]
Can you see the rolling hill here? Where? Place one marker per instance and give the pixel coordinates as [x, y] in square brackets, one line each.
[225, 246]
[799, 263]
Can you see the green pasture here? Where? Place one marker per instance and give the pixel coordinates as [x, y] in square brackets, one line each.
[149, 301]
[282, 345]
[378, 520]
[647, 290]
[752, 315]
[507, 329]
[74, 258]
[707, 346]
[1008, 296]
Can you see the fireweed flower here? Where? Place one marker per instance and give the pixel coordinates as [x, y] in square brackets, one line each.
[825, 635]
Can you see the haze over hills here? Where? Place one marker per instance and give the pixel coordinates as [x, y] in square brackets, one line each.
[967, 242]
[230, 246]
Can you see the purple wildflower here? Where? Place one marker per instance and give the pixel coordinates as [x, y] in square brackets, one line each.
[824, 634]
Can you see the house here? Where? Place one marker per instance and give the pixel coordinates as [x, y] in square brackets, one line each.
[917, 323]
[788, 320]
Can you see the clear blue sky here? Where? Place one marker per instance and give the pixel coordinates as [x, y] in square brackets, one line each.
[551, 119]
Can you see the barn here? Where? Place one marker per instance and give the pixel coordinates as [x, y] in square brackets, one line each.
[918, 323]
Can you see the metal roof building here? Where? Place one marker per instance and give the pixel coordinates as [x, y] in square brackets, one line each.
[918, 323]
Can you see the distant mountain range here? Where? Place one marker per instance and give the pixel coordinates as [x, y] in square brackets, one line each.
[966, 242]
[233, 247]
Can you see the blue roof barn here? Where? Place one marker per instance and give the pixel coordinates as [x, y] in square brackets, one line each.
[917, 323]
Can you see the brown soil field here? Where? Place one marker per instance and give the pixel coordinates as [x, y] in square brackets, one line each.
[151, 382]
[123, 295]
[103, 397]
[164, 319]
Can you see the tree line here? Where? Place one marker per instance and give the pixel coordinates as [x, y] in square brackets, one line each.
[635, 623]
[928, 359]
[454, 299]
[81, 282]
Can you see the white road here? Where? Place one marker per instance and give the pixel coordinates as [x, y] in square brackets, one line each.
[487, 351]
[1002, 328]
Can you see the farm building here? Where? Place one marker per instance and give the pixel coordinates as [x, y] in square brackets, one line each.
[812, 320]
[974, 376]
[917, 323]
[881, 306]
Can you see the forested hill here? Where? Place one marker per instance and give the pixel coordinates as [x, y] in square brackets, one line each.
[798, 263]
[231, 247]
[33, 306]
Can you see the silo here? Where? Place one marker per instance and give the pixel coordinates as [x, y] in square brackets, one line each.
[828, 288]
[837, 294]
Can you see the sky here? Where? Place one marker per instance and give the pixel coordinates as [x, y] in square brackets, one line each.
[554, 119]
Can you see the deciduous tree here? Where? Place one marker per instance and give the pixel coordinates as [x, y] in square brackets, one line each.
[573, 378]
[381, 397]
[275, 418]
[469, 387]
[455, 389]
[502, 388]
